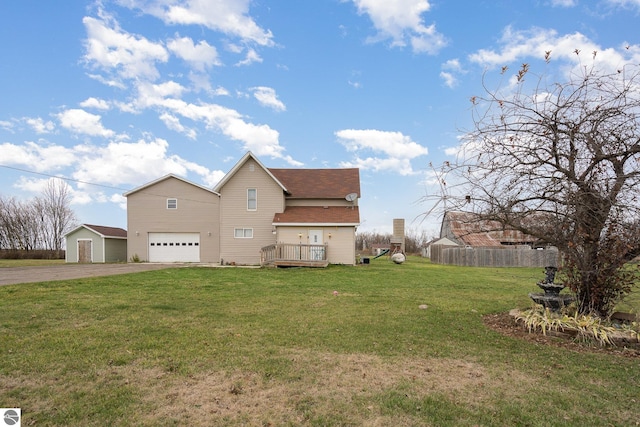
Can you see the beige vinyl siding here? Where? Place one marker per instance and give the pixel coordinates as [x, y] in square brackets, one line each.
[234, 214]
[198, 211]
[341, 246]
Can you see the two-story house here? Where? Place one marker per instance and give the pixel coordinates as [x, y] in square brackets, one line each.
[253, 215]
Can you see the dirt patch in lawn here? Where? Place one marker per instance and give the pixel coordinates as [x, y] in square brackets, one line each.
[351, 387]
[505, 324]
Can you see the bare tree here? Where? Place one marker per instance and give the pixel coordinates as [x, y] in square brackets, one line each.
[17, 229]
[39, 223]
[561, 162]
[54, 213]
[9, 220]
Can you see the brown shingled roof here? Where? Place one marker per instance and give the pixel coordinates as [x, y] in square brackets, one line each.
[473, 231]
[319, 183]
[107, 231]
[318, 215]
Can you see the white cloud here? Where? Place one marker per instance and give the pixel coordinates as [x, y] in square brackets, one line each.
[173, 123]
[201, 56]
[33, 185]
[80, 197]
[452, 64]
[130, 164]
[625, 3]
[397, 150]
[151, 94]
[450, 80]
[6, 125]
[120, 200]
[117, 164]
[40, 157]
[261, 139]
[119, 53]
[220, 91]
[267, 96]
[38, 185]
[230, 17]
[401, 166]
[209, 178]
[522, 45]
[251, 57]
[80, 122]
[450, 70]
[39, 125]
[111, 82]
[121, 163]
[234, 47]
[355, 81]
[564, 3]
[95, 103]
[401, 21]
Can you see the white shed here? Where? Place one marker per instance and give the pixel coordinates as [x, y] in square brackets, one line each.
[426, 252]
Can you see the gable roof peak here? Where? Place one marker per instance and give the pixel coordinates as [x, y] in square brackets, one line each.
[248, 155]
[164, 178]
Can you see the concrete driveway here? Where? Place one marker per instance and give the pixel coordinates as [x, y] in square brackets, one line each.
[15, 275]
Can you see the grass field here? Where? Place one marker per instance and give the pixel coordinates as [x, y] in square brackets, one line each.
[29, 262]
[276, 347]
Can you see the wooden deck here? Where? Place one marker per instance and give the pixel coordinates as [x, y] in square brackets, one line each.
[292, 255]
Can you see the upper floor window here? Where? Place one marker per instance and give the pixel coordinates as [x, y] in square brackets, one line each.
[243, 233]
[252, 199]
[172, 203]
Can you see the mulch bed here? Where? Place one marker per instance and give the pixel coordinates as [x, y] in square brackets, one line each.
[506, 325]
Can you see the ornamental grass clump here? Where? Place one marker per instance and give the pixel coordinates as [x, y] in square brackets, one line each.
[586, 327]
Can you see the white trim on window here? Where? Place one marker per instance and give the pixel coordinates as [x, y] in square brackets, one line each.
[243, 233]
[252, 199]
[172, 203]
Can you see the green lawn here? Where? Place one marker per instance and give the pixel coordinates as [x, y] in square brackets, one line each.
[276, 347]
[29, 262]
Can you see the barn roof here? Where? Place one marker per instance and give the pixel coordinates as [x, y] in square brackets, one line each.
[468, 228]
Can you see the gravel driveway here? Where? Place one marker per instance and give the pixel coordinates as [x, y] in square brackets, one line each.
[14, 275]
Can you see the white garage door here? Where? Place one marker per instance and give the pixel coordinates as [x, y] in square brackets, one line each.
[174, 247]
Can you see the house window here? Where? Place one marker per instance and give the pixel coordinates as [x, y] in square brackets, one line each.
[172, 203]
[243, 233]
[252, 199]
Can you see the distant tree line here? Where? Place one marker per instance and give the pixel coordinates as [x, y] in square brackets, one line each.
[37, 225]
[414, 240]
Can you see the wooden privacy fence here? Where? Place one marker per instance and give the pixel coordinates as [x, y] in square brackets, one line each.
[494, 257]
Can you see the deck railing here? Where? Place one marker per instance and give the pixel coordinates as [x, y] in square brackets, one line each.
[281, 254]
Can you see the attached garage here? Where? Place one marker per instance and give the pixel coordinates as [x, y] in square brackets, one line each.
[174, 247]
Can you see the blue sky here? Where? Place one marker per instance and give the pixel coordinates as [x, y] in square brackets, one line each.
[113, 94]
